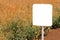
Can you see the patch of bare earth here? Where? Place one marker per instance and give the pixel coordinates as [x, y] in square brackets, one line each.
[53, 34]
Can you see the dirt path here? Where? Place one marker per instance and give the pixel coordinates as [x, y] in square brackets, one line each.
[53, 34]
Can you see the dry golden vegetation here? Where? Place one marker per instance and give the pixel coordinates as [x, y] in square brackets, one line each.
[19, 9]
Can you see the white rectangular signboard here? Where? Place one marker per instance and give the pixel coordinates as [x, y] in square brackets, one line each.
[42, 14]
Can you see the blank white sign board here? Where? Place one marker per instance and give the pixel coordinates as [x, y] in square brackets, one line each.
[42, 14]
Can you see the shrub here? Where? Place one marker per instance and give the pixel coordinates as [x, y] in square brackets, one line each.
[56, 23]
[20, 30]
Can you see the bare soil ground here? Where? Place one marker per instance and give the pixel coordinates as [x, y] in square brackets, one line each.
[53, 34]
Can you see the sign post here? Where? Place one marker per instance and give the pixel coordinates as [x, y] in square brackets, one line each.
[42, 33]
[42, 16]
